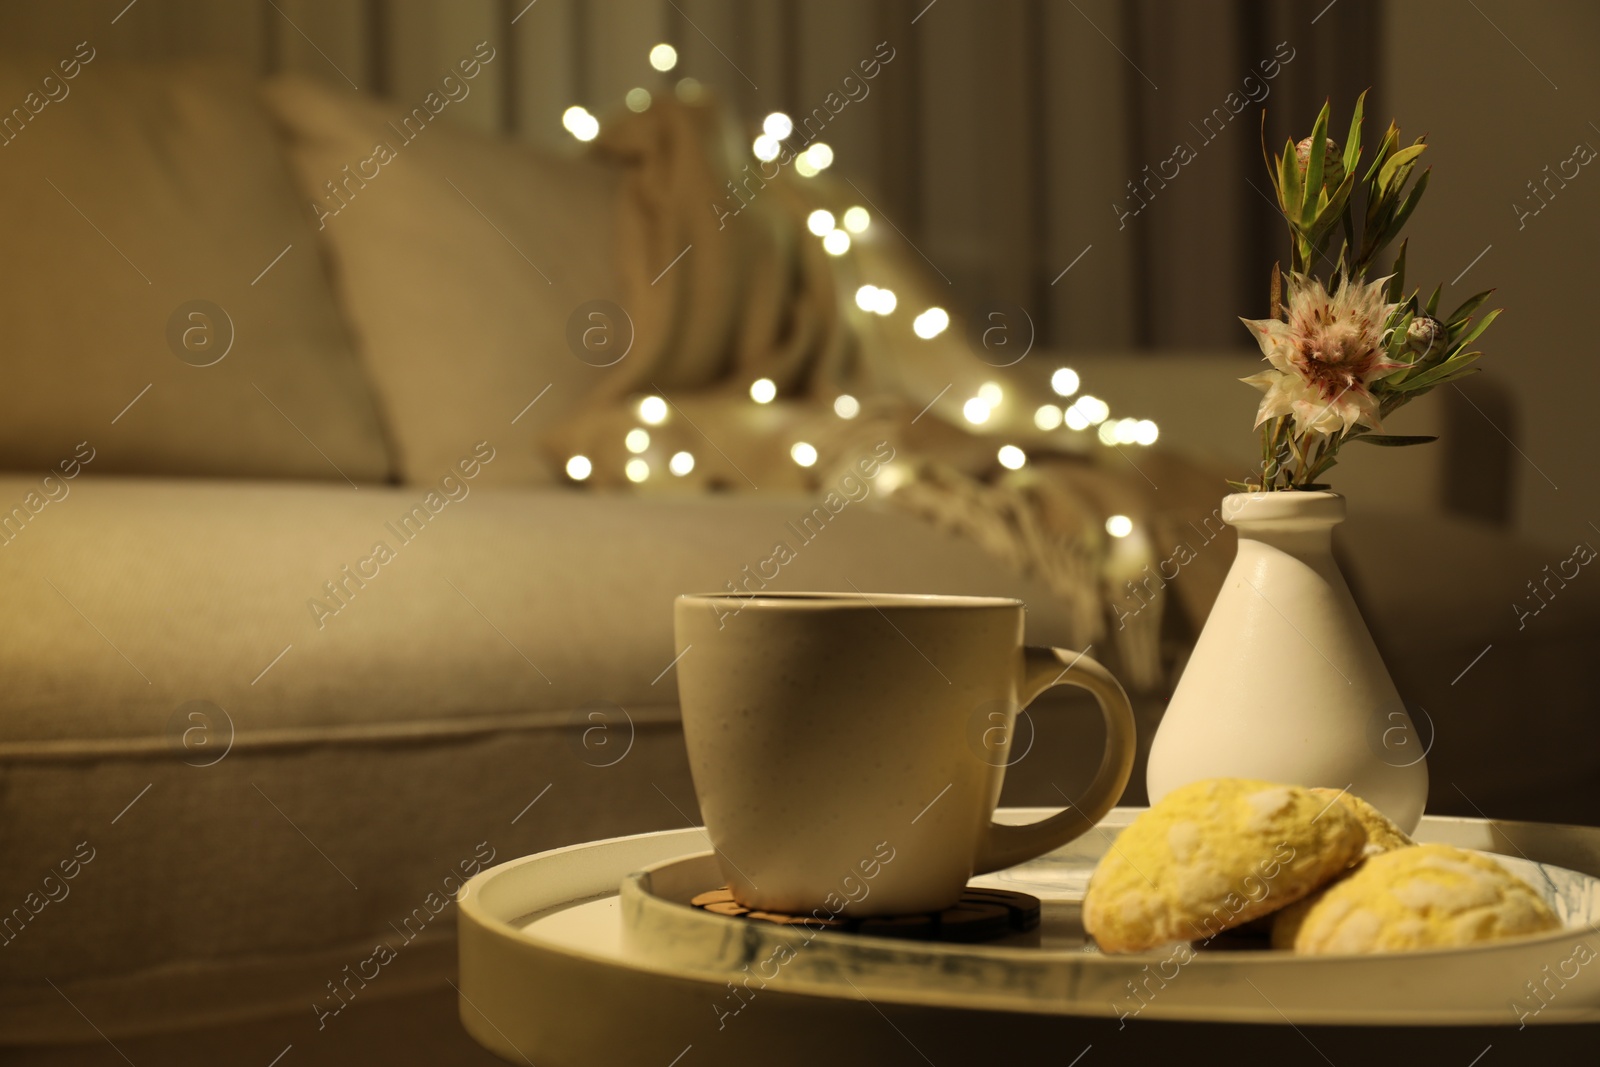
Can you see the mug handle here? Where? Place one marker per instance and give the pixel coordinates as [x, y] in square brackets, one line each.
[1042, 668]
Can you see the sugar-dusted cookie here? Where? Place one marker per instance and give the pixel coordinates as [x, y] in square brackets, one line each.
[1382, 835]
[1426, 896]
[1212, 855]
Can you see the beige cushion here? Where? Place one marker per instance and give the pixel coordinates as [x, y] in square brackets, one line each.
[459, 263]
[137, 192]
[506, 601]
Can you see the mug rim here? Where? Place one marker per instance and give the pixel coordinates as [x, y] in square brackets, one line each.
[821, 600]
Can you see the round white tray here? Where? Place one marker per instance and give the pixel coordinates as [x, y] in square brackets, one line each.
[558, 968]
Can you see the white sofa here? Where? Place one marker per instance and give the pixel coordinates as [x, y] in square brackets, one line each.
[267, 790]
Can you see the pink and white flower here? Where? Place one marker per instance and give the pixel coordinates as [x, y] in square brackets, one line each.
[1326, 357]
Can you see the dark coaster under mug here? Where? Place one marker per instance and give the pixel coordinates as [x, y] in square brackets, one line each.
[980, 915]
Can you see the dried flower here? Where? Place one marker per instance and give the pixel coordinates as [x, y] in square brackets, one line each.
[1332, 161]
[1326, 357]
[1424, 333]
[1342, 361]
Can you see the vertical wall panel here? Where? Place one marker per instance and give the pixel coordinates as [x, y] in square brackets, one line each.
[543, 59]
[697, 29]
[897, 108]
[764, 54]
[35, 30]
[951, 122]
[833, 36]
[1086, 152]
[1007, 185]
[997, 140]
[191, 30]
[151, 29]
[621, 34]
[975, 139]
[1190, 224]
[332, 42]
[427, 39]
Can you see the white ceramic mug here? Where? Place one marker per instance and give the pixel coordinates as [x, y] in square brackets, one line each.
[848, 749]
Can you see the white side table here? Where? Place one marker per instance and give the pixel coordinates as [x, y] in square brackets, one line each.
[549, 977]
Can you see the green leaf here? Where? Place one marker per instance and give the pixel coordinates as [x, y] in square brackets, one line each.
[1389, 440]
[1293, 191]
[1314, 166]
[1411, 202]
[1468, 306]
[1483, 324]
[1352, 143]
[1273, 166]
[1397, 350]
[1433, 301]
[1275, 170]
[1451, 368]
[1412, 394]
[1397, 277]
[1392, 166]
[1391, 138]
[1337, 201]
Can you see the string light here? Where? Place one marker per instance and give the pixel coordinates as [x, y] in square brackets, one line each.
[1094, 409]
[991, 393]
[856, 219]
[763, 390]
[638, 99]
[1119, 526]
[766, 148]
[931, 323]
[879, 301]
[637, 470]
[1012, 458]
[820, 155]
[837, 243]
[579, 123]
[637, 440]
[1047, 418]
[1075, 419]
[653, 410]
[663, 57]
[688, 90]
[1107, 433]
[579, 468]
[846, 406]
[804, 167]
[1064, 381]
[777, 125]
[820, 222]
[1127, 431]
[681, 463]
[975, 411]
[1146, 432]
[803, 453]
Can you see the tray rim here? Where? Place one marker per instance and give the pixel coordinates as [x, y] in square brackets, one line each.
[510, 930]
[1208, 960]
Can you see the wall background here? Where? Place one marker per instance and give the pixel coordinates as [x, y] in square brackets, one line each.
[998, 140]
[1004, 134]
[1500, 101]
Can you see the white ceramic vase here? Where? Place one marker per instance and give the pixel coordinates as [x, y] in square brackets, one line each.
[1285, 683]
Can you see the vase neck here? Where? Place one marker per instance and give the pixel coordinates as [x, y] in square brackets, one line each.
[1291, 521]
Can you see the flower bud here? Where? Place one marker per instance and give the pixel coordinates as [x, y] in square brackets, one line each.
[1424, 333]
[1332, 161]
